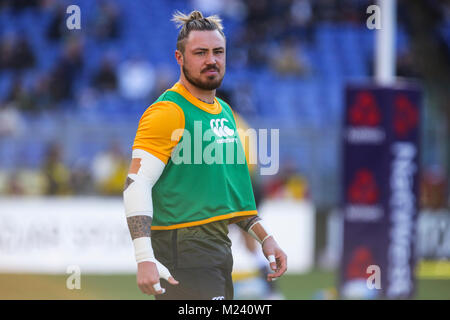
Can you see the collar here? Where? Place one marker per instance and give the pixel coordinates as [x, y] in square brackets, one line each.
[214, 108]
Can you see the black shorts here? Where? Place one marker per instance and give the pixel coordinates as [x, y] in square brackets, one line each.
[199, 284]
[199, 258]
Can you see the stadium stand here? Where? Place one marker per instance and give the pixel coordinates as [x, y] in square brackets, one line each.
[306, 105]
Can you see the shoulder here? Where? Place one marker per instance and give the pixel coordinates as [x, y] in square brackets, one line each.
[163, 110]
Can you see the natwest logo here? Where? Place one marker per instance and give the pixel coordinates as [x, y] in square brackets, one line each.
[364, 111]
[362, 198]
[361, 258]
[356, 280]
[406, 116]
[364, 119]
[363, 189]
[403, 207]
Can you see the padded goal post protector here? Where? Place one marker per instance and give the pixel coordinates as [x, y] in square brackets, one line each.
[380, 190]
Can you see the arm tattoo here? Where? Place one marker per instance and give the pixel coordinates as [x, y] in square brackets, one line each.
[139, 226]
[247, 223]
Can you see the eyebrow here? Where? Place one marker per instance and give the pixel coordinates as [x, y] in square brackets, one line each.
[206, 49]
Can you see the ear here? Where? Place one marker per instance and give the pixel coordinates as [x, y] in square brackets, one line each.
[179, 57]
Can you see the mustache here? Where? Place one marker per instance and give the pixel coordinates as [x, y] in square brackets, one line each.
[210, 68]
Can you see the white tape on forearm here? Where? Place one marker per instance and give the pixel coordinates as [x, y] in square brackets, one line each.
[143, 250]
[138, 195]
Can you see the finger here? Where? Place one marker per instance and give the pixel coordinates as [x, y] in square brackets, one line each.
[282, 262]
[158, 289]
[157, 286]
[272, 261]
[272, 276]
[172, 280]
[145, 289]
[155, 293]
[276, 274]
[279, 272]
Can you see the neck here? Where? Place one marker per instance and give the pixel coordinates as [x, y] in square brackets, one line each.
[203, 95]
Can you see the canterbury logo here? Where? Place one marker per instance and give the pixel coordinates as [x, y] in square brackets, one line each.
[219, 129]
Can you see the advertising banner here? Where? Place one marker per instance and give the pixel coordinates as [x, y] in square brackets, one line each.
[380, 191]
[53, 235]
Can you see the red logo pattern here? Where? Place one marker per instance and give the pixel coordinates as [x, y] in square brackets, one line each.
[363, 189]
[364, 111]
[360, 260]
[406, 116]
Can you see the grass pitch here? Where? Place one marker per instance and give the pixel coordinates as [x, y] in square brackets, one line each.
[313, 285]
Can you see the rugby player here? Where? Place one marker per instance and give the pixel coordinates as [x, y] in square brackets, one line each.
[178, 212]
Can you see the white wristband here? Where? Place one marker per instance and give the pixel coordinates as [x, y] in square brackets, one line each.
[143, 250]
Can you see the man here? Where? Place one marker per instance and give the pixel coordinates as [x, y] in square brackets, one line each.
[178, 212]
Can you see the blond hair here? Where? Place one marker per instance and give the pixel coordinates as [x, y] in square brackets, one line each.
[194, 21]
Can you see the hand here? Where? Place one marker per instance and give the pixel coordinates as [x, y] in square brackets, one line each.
[279, 259]
[148, 277]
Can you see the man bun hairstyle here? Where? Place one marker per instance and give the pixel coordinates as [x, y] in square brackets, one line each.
[194, 21]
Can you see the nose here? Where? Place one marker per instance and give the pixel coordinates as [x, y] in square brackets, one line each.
[210, 59]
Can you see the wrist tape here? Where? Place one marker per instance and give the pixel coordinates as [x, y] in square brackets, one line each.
[143, 250]
[259, 231]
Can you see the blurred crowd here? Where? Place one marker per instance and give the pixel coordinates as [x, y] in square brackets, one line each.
[271, 34]
[104, 175]
[274, 32]
[50, 88]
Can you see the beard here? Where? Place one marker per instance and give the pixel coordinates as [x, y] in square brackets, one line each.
[211, 83]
